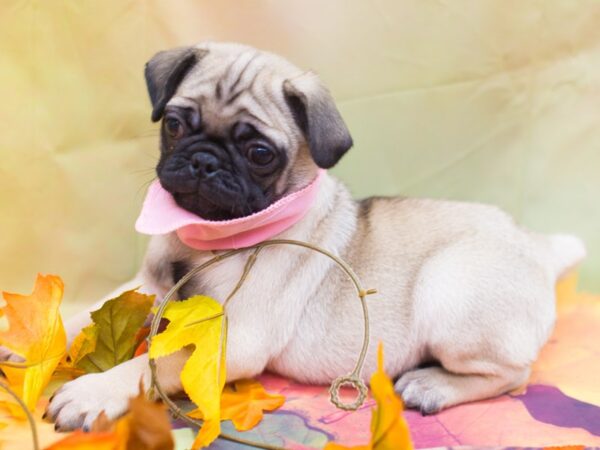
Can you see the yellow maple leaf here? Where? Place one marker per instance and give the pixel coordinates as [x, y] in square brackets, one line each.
[243, 402]
[198, 321]
[389, 430]
[36, 333]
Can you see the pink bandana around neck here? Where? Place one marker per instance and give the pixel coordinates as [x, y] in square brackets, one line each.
[161, 215]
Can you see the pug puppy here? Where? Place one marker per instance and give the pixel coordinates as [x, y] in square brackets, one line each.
[465, 296]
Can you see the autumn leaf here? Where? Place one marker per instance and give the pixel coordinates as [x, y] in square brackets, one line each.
[148, 425]
[566, 447]
[334, 446]
[142, 343]
[83, 344]
[112, 336]
[389, 430]
[198, 321]
[35, 333]
[80, 440]
[243, 402]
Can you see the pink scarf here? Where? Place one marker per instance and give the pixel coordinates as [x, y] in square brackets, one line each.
[161, 215]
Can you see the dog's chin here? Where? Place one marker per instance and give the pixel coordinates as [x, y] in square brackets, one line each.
[218, 204]
[207, 209]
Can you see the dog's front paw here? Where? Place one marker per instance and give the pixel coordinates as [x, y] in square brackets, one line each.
[424, 389]
[79, 402]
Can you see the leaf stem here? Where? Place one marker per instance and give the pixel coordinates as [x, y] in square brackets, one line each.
[206, 319]
[34, 434]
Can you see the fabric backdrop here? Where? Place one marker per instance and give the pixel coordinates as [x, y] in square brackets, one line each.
[494, 100]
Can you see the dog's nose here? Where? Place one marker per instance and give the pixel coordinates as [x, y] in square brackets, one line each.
[203, 164]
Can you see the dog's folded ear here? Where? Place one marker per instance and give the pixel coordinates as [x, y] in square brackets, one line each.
[317, 116]
[165, 71]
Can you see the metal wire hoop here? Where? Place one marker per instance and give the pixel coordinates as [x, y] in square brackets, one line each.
[356, 383]
[353, 378]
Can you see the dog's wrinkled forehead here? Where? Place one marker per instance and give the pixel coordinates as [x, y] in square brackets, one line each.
[232, 83]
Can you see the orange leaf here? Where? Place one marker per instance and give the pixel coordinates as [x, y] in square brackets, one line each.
[140, 338]
[566, 447]
[35, 333]
[389, 430]
[141, 349]
[243, 402]
[334, 446]
[80, 440]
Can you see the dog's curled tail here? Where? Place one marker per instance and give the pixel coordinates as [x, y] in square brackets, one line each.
[566, 252]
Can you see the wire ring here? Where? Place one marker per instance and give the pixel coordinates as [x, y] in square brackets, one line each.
[356, 383]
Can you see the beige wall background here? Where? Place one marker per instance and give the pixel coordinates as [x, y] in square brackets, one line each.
[488, 100]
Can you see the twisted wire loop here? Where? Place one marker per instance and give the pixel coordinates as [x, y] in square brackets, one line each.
[356, 383]
[353, 379]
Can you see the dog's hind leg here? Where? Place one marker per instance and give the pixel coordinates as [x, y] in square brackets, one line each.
[483, 311]
[434, 388]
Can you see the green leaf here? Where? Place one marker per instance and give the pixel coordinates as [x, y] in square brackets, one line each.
[117, 323]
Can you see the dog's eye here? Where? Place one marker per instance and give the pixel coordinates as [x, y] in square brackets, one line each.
[260, 155]
[173, 127]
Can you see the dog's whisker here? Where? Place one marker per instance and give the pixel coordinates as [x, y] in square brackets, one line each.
[146, 171]
[145, 186]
